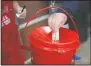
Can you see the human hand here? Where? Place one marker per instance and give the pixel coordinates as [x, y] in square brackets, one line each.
[56, 20]
[21, 12]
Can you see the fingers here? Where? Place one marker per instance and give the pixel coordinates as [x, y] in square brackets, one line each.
[23, 14]
[56, 20]
[50, 22]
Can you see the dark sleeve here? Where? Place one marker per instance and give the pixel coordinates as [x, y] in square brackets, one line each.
[51, 11]
[66, 9]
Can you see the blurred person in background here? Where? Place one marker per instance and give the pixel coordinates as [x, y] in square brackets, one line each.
[11, 50]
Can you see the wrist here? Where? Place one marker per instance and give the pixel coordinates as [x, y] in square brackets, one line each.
[16, 6]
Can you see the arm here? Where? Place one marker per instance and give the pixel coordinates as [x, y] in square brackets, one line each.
[16, 6]
[18, 10]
